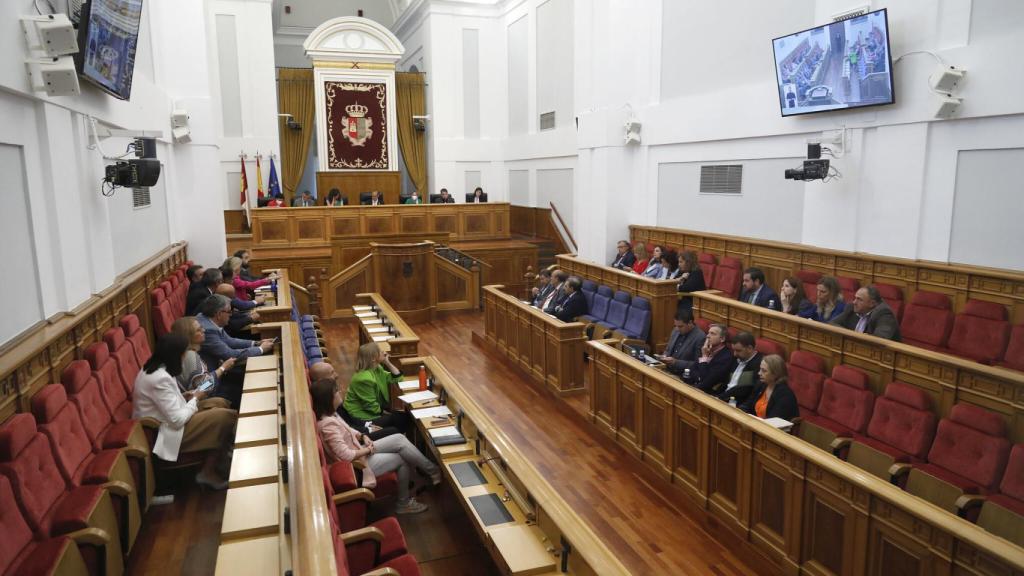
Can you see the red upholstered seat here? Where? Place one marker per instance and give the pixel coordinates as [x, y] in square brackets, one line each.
[1011, 489]
[902, 424]
[809, 278]
[980, 332]
[846, 403]
[703, 323]
[927, 320]
[893, 296]
[124, 356]
[970, 449]
[107, 372]
[848, 286]
[84, 392]
[163, 317]
[766, 347]
[364, 556]
[806, 377]
[728, 276]
[708, 264]
[1014, 356]
[20, 553]
[344, 478]
[137, 337]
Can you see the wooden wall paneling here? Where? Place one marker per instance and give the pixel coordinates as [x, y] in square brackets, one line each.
[602, 394]
[656, 437]
[834, 530]
[310, 228]
[629, 402]
[729, 472]
[344, 286]
[776, 500]
[456, 287]
[690, 441]
[898, 543]
[345, 224]
[353, 182]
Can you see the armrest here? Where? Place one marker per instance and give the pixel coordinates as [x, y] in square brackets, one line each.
[355, 495]
[898, 470]
[117, 487]
[358, 465]
[839, 443]
[89, 536]
[361, 534]
[382, 572]
[966, 502]
[134, 452]
[149, 422]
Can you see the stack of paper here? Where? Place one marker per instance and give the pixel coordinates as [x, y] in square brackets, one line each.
[433, 412]
[417, 396]
[407, 385]
[383, 338]
[779, 423]
[365, 315]
[370, 321]
[362, 308]
[376, 330]
[444, 431]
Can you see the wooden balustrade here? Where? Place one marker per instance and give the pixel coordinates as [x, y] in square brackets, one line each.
[549, 350]
[279, 310]
[663, 295]
[541, 517]
[37, 356]
[780, 259]
[404, 343]
[947, 379]
[807, 510]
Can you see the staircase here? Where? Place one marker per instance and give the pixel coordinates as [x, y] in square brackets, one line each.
[546, 249]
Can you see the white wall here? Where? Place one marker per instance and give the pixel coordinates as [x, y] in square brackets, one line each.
[700, 78]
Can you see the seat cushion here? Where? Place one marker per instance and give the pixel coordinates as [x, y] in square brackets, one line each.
[1013, 478]
[806, 377]
[927, 319]
[362, 556]
[903, 419]
[74, 509]
[971, 444]
[980, 332]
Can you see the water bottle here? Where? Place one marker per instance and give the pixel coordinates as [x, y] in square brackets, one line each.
[732, 401]
[423, 377]
[686, 374]
[273, 287]
[771, 304]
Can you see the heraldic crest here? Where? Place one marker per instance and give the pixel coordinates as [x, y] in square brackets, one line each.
[356, 125]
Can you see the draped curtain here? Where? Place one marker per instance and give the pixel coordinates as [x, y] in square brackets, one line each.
[411, 102]
[295, 97]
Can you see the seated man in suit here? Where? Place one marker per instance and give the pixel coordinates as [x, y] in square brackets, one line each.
[443, 198]
[304, 201]
[756, 292]
[374, 198]
[745, 365]
[218, 346]
[574, 304]
[869, 315]
[557, 293]
[199, 291]
[194, 273]
[625, 258]
[715, 362]
[684, 345]
[242, 313]
[413, 199]
[542, 289]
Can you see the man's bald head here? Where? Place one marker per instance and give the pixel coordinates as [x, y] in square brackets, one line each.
[322, 371]
[226, 290]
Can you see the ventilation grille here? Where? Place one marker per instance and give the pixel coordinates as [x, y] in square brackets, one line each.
[140, 197]
[721, 179]
[547, 121]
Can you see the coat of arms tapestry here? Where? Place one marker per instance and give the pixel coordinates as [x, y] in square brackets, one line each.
[356, 125]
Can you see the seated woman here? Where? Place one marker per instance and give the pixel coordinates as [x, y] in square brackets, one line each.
[369, 392]
[691, 278]
[477, 196]
[830, 300]
[413, 199]
[194, 373]
[794, 301]
[391, 454]
[242, 287]
[653, 269]
[640, 251]
[772, 398]
[189, 422]
[669, 266]
[334, 198]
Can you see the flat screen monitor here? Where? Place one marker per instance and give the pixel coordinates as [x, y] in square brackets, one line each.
[108, 35]
[837, 66]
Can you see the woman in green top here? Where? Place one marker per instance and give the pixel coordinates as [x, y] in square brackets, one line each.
[414, 199]
[369, 393]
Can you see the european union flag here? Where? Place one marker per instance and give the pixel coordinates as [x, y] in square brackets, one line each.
[273, 186]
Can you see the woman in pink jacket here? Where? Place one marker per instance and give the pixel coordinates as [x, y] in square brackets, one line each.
[242, 287]
[391, 453]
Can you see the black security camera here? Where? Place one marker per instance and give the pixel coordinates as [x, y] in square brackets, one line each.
[139, 173]
[811, 170]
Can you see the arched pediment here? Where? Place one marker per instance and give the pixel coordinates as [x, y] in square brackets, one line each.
[353, 39]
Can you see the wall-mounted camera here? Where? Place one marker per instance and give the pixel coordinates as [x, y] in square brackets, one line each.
[814, 168]
[141, 172]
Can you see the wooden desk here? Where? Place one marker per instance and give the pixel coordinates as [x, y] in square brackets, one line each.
[260, 381]
[405, 344]
[946, 379]
[259, 403]
[251, 557]
[257, 431]
[256, 465]
[663, 295]
[262, 363]
[550, 350]
[540, 517]
[806, 509]
[250, 511]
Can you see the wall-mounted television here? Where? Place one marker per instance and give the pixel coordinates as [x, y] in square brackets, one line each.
[842, 65]
[108, 35]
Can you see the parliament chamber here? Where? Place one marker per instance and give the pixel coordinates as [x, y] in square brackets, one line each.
[473, 287]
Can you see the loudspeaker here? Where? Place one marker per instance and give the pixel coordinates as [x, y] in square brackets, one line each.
[948, 80]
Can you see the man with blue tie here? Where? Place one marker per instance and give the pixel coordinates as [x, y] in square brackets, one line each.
[683, 349]
[756, 292]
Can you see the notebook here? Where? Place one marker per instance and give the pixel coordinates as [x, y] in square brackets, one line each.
[446, 436]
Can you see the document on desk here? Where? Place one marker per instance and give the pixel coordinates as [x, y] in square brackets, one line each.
[444, 431]
[376, 330]
[432, 412]
[779, 423]
[408, 385]
[418, 396]
[371, 321]
[362, 308]
[383, 338]
[365, 315]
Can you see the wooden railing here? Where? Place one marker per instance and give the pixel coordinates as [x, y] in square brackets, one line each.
[663, 295]
[947, 379]
[568, 233]
[781, 259]
[549, 350]
[545, 510]
[37, 356]
[807, 510]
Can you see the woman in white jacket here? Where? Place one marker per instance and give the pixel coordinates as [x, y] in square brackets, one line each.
[190, 421]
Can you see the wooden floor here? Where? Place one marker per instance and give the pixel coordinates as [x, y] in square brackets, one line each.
[620, 499]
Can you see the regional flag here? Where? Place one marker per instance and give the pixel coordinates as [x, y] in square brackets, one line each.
[244, 195]
[259, 178]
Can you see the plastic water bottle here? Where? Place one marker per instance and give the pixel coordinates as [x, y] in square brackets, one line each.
[732, 401]
[686, 374]
[423, 377]
[771, 304]
[273, 287]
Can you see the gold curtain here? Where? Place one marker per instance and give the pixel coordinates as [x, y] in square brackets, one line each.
[295, 97]
[412, 102]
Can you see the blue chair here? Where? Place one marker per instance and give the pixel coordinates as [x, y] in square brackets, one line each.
[589, 291]
[618, 308]
[638, 320]
[599, 307]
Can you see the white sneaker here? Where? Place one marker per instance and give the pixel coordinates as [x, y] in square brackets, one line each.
[412, 506]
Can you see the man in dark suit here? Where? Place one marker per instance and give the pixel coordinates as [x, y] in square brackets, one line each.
[218, 346]
[625, 257]
[756, 292]
[557, 293]
[443, 198]
[374, 199]
[574, 304]
[713, 366]
[746, 363]
[304, 201]
[542, 289]
[684, 344]
[199, 291]
[869, 315]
